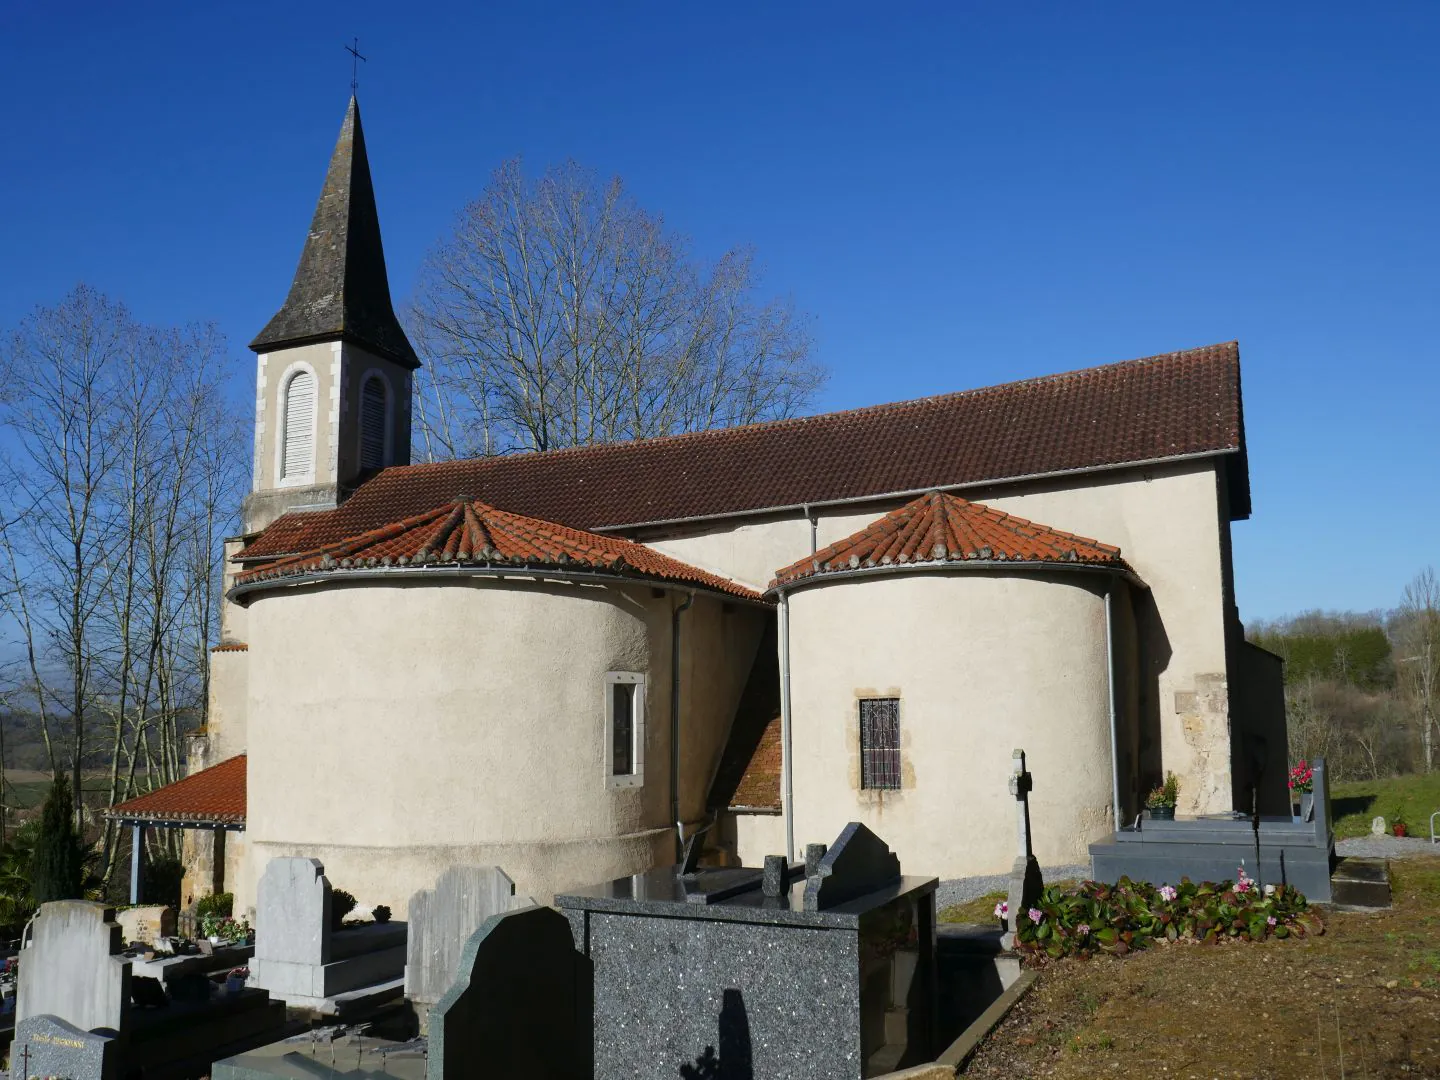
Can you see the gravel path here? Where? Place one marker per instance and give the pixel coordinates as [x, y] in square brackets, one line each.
[957, 890]
[1386, 847]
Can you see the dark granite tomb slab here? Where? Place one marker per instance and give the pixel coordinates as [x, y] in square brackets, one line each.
[705, 975]
[47, 1046]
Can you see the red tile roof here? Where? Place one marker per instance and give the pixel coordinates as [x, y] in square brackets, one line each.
[946, 528]
[1177, 405]
[474, 534]
[230, 646]
[759, 787]
[214, 796]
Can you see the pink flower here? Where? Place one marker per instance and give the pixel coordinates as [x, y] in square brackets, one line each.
[1270, 921]
[1035, 915]
[1083, 929]
[1002, 909]
[1167, 893]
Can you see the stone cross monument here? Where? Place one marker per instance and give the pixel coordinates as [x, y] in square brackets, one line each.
[1025, 879]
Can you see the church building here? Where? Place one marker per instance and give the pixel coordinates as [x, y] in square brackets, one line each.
[571, 664]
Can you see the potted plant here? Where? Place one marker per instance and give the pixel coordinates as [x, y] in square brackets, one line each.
[1161, 802]
[1397, 824]
[1302, 790]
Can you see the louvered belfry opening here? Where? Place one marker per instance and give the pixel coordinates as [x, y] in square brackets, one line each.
[297, 455]
[880, 743]
[372, 424]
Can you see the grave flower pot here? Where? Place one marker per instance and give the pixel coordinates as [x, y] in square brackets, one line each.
[1161, 813]
[1305, 809]
[1400, 829]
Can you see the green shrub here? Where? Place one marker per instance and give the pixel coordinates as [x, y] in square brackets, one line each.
[57, 864]
[1093, 917]
[341, 904]
[221, 903]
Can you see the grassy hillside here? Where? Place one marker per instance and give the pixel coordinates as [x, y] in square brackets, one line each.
[1357, 802]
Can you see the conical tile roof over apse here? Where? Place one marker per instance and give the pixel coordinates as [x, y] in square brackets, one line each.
[939, 528]
[465, 532]
[340, 290]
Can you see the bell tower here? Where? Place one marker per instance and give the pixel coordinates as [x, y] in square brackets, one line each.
[334, 367]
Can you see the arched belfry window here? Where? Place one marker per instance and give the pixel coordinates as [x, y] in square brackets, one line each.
[297, 451]
[372, 423]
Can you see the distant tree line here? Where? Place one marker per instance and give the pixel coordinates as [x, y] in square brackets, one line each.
[1361, 688]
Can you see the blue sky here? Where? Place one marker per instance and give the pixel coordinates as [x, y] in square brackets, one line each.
[960, 194]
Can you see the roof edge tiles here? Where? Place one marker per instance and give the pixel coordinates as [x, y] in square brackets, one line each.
[1173, 407]
[213, 796]
[469, 534]
[942, 531]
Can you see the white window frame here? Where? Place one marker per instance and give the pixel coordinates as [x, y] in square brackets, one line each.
[282, 409]
[636, 777]
[387, 453]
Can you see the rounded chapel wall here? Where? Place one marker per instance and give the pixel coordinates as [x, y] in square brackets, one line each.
[982, 664]
[413, 724]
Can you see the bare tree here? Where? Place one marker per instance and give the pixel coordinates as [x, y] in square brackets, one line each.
[1418, 636]
[120, 477]
[561, 314]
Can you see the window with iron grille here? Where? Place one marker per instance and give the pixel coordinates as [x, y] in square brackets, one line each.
[880, 743]
[625, 728]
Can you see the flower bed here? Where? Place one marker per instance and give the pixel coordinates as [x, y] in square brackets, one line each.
[1092, 917]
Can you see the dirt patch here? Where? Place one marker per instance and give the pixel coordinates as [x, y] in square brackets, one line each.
[1367, 992]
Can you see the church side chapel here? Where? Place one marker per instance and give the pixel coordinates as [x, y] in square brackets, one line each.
[571, 664]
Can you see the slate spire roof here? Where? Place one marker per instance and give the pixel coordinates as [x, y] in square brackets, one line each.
[941, 528]
[340, 288]
[464, 532]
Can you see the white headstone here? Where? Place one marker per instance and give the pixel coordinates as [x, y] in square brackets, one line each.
[1377, 827]
[70, 969]
[443, 919]
[292, 912]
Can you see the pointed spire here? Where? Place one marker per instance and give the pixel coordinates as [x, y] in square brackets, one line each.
[340, 288]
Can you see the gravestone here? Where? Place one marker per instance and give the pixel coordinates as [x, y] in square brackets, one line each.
[299, 957]
[515, 1008]
[710, 976]
[1026, 881]
[146, 925]
[443, 919]
[47, 1046]
[1377, 827]
[71, 968]
[858, 863]
[292, 913]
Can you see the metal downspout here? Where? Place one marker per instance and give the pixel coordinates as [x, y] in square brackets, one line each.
[675, 724]
[786, 755]
[1114, 722]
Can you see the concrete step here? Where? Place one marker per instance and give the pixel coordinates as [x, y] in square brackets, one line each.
[1360, 883]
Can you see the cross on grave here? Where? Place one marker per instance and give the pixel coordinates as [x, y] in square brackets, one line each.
[1025, 878]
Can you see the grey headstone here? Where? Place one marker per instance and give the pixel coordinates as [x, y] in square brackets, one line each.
[859, 862]
[48, 1046]
[514, 1010]
[71, 970]
[776, 871]
[1026, 881]
[813, 854]
[443, 919]
[292, 912]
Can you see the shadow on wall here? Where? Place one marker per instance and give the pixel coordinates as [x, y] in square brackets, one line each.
[1155, 653]
[733, 1060]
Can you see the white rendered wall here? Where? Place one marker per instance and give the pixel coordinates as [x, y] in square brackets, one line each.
[399, 728]
[1167, 522]
[982, 664]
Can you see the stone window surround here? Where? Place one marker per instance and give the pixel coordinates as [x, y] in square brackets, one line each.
[636, 777]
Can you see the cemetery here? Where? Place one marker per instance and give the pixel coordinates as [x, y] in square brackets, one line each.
[690, 970]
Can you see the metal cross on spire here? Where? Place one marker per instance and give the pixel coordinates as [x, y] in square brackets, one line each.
[355, 58]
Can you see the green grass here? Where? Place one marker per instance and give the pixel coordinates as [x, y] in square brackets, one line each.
[1356, 802]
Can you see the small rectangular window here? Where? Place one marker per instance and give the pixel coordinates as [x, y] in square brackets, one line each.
[625, 728]
[880, 743]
